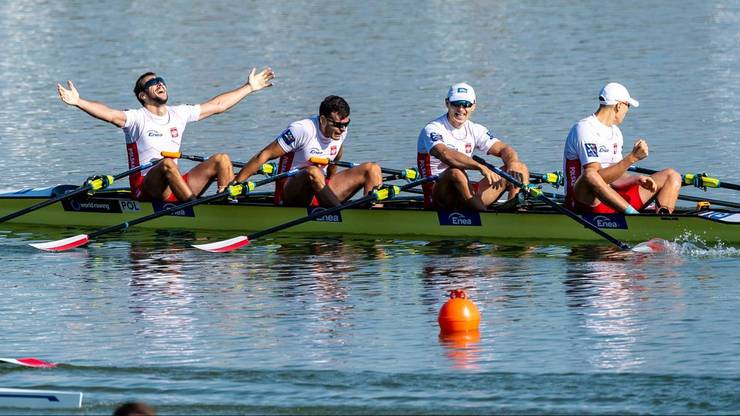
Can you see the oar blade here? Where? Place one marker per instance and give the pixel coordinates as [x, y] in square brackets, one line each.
[29, 362]
[652, 246]
[224, 246]
[63, 244]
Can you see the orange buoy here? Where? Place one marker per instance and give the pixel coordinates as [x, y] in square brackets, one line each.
[458, 314]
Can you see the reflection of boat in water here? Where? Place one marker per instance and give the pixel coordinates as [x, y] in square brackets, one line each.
[39, 399]
[402, 217]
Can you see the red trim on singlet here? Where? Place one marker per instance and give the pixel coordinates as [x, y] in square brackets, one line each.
[630, 194]
[424, 164]
[135, 179]
[284, 165]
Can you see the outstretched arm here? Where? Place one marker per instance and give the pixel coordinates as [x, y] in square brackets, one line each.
[100, 111]
[225, 101]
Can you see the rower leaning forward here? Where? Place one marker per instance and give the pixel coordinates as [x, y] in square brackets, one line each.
[157, 127]
[445, 147]
[321, 136]
[596, 177]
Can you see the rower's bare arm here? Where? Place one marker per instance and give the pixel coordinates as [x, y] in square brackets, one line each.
[271, 151]
[507, 153]
[332, 168]
[455, 159]
[100, 111]
[225, 101]
[619, 170]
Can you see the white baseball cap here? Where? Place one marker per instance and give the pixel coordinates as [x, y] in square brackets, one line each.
[461, 92]
[615, 92]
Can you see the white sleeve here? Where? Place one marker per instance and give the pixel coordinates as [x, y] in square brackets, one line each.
[188, 112]
[292, 138]
[430, 136]
[587, 147]
[484, 139]
[134, 122]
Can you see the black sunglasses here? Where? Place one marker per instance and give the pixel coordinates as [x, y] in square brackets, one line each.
[338, 124]
[152, 82]
[461, 103]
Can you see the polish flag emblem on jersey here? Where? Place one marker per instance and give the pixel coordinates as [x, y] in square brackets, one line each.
[615, 148]
[333, 150]
[468, 147]
[174, 133]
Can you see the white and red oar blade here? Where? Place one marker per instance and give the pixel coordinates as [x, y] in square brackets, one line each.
[29, 362]
[653, 246]
[224, 246]
[63, 244]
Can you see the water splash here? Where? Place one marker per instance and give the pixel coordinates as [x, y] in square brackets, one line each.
[688, 245]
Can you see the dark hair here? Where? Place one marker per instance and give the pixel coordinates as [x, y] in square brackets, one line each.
[334, 104]
[139, 85]
[134, 409]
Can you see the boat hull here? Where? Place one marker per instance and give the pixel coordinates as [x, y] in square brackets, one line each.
[392, 221]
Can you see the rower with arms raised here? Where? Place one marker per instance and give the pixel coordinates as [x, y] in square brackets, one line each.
[596, 177]
[320, 136]
[445, 147]
[157, 127]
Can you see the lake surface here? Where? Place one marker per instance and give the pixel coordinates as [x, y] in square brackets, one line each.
[348, 325]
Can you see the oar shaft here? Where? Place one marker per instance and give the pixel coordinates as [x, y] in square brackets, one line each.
[328, 211]
[184, 205]
[410, 174]
[78, 191]
[719, 184]
[539, 195]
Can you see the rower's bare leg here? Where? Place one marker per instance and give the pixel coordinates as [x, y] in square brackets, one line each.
[217, 166]
[452, 191]
[164, 179]
[347, 182]
[590, 189]
[299, 189]
[668, 184]
[519, 171]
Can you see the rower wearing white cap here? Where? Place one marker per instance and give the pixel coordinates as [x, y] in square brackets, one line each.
[445, 147]
[596, 177]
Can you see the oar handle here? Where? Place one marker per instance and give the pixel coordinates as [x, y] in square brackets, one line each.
[377, 195]
[537, 193]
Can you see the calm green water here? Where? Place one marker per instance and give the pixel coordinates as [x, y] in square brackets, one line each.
[345, 325]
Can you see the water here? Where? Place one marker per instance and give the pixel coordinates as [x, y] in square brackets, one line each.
[346, 325]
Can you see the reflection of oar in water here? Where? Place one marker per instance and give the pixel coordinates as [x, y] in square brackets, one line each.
[537, 193]
[700, 180]
[239, 189]
[91, 185]
[374, 196]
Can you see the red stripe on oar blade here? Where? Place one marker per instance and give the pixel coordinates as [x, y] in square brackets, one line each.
[224, 245]
[29, 362]
[64, 244]
[653, 246]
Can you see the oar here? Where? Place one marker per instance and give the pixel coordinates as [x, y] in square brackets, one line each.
[408, 174]
[537, 193]
[29, 362]
[553, 178]
[93, 184]
[242, 188]
[267, 169]
[378, 195]
[700, 180]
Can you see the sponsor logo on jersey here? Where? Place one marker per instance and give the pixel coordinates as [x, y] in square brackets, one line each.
[287, 136]
[612, 221]
[173, 133]
[435, 137]
[459, 218]
[603, 149]
[334, 217]
[315, 151]
[591, 149]
[468, 147]
[91, 205]
[490, 135]
[615, 148]
[161, 206]
[153, 133]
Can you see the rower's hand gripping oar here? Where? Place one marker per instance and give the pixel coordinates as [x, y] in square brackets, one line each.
[537, 193]
[91, 185]
[699, 180]
[241, 188]
[374, 196]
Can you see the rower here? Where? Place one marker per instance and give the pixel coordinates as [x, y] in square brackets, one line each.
[157, 127]
[596, 177]
[445, 147]
[320, 136]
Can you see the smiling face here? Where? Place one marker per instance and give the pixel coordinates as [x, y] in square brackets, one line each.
[333, 126]
[458, 112]
[153, 90]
